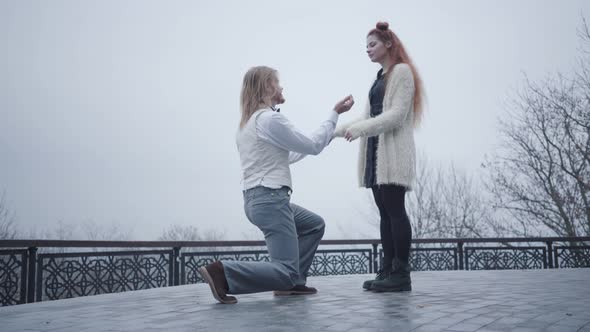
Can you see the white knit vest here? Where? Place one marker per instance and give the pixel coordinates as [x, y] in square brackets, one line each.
[263, 164]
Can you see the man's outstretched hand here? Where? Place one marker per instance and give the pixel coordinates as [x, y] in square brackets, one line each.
[344, 105]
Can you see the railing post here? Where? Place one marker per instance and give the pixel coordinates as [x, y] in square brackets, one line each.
[460, 250]
[171, 268]
[550, 254]
[176, 262]
[32, 271]
[24, 278]
[375, 265]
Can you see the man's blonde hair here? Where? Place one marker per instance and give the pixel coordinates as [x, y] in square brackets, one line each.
[255, 89]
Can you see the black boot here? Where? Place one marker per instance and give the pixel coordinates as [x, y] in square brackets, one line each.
[397, 281]
[381, 275]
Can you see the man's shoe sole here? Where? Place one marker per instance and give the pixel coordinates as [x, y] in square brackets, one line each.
[207, 277]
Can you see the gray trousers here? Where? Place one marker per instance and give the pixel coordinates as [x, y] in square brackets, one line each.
[292, 235]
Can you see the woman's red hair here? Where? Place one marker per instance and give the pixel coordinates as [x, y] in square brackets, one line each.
[398, 54]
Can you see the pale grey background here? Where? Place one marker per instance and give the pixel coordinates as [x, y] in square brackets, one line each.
[124, 112]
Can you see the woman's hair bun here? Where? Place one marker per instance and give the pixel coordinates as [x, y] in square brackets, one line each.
[382, 26]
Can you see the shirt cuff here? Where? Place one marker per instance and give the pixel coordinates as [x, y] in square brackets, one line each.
[333, 117]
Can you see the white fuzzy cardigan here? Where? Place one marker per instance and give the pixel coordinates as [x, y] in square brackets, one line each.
[396, 150]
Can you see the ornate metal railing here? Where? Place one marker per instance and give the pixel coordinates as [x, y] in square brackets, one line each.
[81, 274]
[38, 273]
[325, 262]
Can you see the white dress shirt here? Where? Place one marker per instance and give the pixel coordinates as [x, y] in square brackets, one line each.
[276, 129]
[268, 143]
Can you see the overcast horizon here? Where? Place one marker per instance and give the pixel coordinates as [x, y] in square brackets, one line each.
[124, 112]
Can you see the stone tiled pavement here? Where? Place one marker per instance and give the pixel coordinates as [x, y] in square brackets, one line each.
[534, 300]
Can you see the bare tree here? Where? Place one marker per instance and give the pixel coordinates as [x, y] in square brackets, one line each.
[190, 233]
[7, 221]
[541, 174]
[423, 203]
[112, 232]
[445, 202]
[463, 206]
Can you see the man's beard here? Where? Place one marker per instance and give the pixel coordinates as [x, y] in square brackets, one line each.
[279, 99]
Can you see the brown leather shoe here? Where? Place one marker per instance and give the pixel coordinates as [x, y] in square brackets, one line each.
[297, 290]
[214, 276]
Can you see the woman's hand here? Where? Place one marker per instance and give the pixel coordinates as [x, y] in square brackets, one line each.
[352, 133]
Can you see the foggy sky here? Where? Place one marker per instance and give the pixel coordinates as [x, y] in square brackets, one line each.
[125, 112]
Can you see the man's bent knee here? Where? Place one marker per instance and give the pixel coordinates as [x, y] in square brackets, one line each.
[321, 225]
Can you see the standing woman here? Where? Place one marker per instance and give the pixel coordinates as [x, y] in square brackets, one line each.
[387, 159]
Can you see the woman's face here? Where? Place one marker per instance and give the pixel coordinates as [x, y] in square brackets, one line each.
[376, 49]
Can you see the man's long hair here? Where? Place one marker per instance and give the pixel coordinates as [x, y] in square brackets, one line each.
[256, 91]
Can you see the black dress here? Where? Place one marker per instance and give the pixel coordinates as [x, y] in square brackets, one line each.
[376, 95]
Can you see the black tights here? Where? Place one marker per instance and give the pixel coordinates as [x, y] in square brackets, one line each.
[396, 231]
